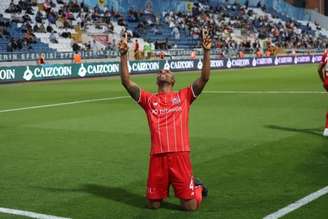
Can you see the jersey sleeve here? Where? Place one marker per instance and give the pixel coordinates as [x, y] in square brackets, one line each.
[323, 58]
[188, 94]
[144, 98]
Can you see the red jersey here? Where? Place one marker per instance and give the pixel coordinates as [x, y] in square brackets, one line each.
[324, 61]
[168, 119]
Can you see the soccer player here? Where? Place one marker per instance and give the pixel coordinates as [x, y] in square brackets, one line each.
[323, 74]
[167, 112]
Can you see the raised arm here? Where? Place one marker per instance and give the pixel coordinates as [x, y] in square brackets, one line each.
[200, 83]
[129, 85]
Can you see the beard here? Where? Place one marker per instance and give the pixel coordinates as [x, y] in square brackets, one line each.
[162, 79]
[163, 82]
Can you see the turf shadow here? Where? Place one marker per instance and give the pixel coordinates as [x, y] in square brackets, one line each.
[121, 195]
[313, 131]
[117, 194]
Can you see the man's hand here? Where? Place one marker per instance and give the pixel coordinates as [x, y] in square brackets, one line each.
[129, 85]
[123, 45]
[200, 83]
[206, 40]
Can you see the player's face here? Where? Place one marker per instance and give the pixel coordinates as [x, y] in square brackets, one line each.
[165, 77]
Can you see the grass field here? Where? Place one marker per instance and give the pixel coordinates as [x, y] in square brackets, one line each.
[256, 152]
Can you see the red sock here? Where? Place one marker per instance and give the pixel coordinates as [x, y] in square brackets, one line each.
[198, 195]
[327, 120]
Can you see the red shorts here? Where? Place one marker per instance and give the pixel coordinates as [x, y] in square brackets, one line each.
[170, 168]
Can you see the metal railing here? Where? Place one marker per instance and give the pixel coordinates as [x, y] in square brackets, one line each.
[29, 56]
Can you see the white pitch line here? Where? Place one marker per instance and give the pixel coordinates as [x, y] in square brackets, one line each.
[61, 104]
[264, 92]
[29, 214]
[298, 204]
[123, 97]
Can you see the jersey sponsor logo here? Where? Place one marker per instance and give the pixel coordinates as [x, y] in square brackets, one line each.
[164, 111]
[157, 110]
[172, 110]
[176, 101]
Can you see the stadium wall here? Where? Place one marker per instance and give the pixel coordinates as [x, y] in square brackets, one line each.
[32, 56]
[90, 70]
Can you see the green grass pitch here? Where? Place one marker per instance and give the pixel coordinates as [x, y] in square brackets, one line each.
[256, 152]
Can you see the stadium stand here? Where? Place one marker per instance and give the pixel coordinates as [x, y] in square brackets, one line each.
[231, 23]
[67, 26]
[15, 36]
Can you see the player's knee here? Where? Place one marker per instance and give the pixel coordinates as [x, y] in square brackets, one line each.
[190, 205]
[190, 208]
[154, 204]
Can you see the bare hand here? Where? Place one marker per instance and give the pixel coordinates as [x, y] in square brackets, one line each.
[206, 39]
[123, 45]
